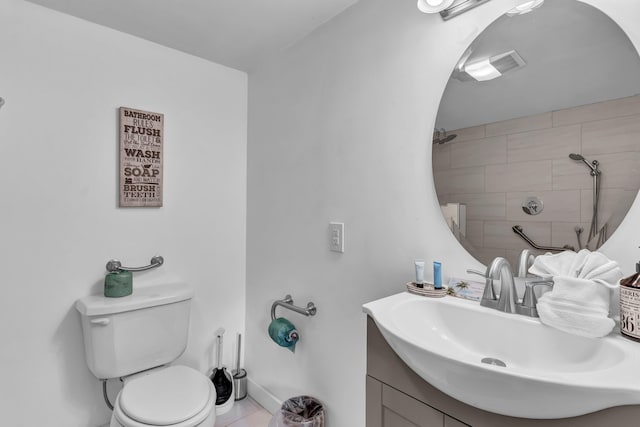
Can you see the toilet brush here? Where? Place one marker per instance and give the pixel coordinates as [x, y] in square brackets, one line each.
[222, 380]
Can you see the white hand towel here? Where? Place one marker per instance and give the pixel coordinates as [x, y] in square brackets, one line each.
[581, 296]
[567, 263]
[599, 268]
[573, 318]
[579, 260]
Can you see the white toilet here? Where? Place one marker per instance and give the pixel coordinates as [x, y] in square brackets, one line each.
[135, 338]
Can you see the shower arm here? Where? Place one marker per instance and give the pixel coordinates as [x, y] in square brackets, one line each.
[520, 232]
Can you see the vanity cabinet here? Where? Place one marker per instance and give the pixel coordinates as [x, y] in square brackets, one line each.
[398, 397]
[388, 407]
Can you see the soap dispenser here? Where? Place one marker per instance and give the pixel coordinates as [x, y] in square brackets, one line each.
[630, 305]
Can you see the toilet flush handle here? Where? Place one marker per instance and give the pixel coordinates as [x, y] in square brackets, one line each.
[102, 321]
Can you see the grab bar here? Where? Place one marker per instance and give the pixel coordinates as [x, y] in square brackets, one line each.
[520, 232]
[287, 303]
[115, 265]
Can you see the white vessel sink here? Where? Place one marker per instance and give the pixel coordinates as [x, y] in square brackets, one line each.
[540, 372]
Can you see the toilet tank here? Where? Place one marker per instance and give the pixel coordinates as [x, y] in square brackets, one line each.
[130, 334]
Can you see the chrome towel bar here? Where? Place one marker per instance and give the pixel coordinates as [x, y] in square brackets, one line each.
[287, 303]
[115, 265]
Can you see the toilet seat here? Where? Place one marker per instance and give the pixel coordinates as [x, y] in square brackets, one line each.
[177, 396]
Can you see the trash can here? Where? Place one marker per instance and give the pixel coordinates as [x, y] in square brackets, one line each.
[299, 411]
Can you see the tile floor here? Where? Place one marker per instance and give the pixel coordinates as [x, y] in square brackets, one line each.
[245, 413]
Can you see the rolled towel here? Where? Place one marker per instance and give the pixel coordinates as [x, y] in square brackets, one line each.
[600, 268]
[573, 318]
[584, 264]
[567, 263]
[593, 296]
[580, 300]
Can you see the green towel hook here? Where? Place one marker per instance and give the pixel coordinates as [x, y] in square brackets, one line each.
[287, 303]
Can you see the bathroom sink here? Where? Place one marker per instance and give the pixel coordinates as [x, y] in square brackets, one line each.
[505, 363]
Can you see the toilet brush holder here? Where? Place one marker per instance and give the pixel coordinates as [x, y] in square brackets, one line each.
[239, 384]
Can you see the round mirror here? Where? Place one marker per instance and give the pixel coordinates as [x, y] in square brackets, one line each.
[537, 139]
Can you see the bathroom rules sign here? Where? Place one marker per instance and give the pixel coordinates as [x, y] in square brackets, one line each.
[141, 144]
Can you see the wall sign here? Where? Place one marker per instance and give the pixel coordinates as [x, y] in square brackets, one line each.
[141, 146]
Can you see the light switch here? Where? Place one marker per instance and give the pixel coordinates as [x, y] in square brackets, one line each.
[336, 243]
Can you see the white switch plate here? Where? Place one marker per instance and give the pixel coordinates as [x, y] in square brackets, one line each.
[336, 236]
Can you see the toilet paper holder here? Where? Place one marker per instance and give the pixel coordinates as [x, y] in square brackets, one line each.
[287, 303]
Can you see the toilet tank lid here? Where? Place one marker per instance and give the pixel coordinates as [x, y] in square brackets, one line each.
[142, 297]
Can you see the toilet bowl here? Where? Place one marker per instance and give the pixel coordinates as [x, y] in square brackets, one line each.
[175, 396]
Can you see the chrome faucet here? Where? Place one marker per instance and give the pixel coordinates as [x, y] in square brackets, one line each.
[526, 260]
[529, 302]
[500, 269]
[488, 295]
[507, 299]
